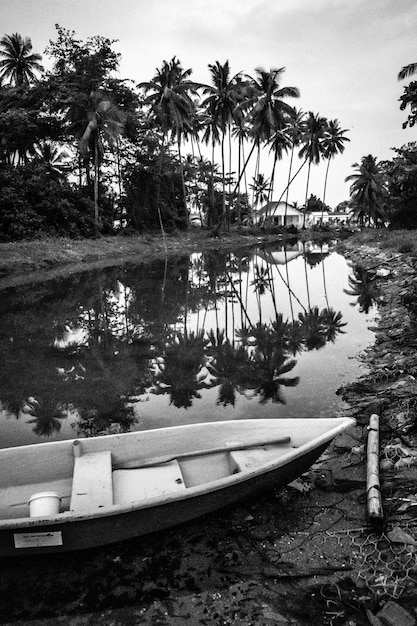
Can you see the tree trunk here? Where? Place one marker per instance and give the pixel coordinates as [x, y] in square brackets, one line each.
[325, 186]
[96, 174]
[306, 200]
[288, 186]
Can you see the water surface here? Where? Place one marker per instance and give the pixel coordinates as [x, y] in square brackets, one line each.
[269, 332]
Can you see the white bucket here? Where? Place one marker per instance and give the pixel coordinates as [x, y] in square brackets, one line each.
[44, 503]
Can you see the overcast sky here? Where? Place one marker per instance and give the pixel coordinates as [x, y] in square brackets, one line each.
[343, 55]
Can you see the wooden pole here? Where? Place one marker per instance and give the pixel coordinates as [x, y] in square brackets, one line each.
[373, 488]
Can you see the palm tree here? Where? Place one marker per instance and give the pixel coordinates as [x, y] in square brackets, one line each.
[332, 144]
[312, 149]
[53, 157]
[261, 188]
[270, 112]
[280, 143]
[105, 123]
[19, 64]
[407, 70]
[294, 132]
[220, 104]
[171, 104]
[367, 190]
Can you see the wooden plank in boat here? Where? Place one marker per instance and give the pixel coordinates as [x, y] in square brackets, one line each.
[256, 457]
[92, 485]
[132, 485]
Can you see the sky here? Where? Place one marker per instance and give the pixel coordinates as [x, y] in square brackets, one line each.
[343, 55]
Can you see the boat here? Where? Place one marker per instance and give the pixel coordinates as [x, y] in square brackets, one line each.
[82, 493]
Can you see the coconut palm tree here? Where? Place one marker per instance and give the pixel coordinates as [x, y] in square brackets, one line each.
[261, 188]
[333, 141]
[367, 191]
[294, 131]
[220, 103]
[280, 143]
[171, 105]
[407, 70]
[56, 160]
[104, 125]
[312, 149]
[18, 64]
[270, 111]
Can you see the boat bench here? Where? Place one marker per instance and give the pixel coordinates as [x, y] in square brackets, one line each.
[92, 485]
[246, 460]
[138, 484]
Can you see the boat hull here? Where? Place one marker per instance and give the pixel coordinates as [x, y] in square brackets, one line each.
[92, 531]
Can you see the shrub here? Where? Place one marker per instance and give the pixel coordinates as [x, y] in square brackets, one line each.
[33, 203]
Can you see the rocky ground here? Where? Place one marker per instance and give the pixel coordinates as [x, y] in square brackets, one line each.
[307, 554]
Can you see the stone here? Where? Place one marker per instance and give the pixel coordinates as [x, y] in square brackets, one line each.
[392, 614]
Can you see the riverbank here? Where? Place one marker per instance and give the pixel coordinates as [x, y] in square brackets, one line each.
[23, 256]
[302, 555]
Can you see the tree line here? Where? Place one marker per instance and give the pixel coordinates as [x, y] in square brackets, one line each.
[83, 152]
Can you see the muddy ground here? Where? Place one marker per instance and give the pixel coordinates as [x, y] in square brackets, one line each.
[306, 554]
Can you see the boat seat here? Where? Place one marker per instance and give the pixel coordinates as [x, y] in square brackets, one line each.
[132, 485]
[244, 460]
[92, 485]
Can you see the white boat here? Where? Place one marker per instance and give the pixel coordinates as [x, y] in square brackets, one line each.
[75, 494]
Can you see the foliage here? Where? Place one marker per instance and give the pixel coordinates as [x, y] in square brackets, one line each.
[316, 205]
[368, 191]
[18, 64]
[33, 202]
[151, 181]
[401, 174]
[116, 139]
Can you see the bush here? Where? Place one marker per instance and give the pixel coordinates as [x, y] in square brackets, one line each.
[34, 203]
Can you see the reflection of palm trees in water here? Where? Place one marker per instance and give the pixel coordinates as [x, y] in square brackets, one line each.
[46, 416]
[333, 324]
[270, 363]
[313, 330]
[181, 369]
[258, 359]
[363, 285]
[226, 364]
[318, 327]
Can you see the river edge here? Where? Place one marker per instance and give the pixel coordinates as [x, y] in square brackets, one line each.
[34, 261]
[307, 550]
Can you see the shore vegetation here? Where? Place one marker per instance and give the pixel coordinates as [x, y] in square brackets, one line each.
[85, 153]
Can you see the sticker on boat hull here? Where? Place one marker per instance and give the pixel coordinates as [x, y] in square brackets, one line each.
[37, 540]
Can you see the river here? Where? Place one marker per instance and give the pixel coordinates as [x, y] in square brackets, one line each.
[269, 332]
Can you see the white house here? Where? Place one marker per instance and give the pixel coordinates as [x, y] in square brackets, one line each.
[281, 255]
[335, 218]
[273, 214]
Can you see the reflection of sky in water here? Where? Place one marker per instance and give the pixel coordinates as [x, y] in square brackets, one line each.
[290, 289]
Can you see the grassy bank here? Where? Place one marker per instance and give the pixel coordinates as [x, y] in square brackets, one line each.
[403, 241]
[47, 253]
[24, 256]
